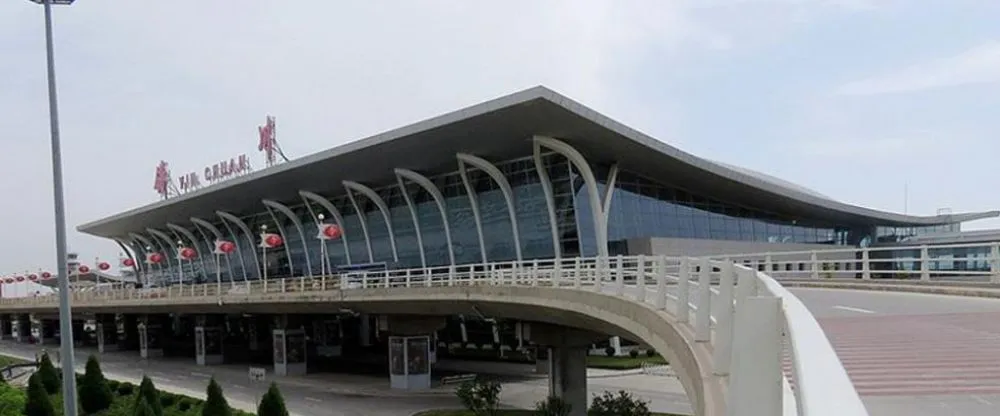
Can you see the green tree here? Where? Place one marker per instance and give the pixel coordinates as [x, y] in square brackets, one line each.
[215, 402]
[142, 407]
[37, 403]
[147, 392]
[49, 375]
[95, 394]
[272, 404]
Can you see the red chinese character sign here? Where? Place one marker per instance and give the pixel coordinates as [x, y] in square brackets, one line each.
[268, 141]
[162, 182]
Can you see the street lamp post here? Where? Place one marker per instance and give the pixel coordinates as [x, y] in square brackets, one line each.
[263, 251]
[65, 313]
[324, 269]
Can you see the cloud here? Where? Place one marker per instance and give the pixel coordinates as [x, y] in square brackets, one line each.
[978, 65]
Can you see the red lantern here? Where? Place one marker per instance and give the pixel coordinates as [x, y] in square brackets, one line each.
[188, 253]
[19, 278]
[272, 240]
[103, 266]
[128, 262]
[83, 269]
[46, 275]
[331, 231]
[155, 258]
[32, 277]
[227, 247]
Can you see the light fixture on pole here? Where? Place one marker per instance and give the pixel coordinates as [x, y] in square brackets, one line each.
[59, 207]
[180, 261]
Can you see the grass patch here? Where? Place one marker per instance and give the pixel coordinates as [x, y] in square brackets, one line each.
[5, 361]
[504, 412]
[622, 363]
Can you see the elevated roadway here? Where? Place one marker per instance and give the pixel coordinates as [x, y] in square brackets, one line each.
[914, 354]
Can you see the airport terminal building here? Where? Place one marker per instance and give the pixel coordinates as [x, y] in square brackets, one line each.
[529, 175]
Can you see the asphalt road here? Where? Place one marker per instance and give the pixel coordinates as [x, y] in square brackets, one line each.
[914, 354]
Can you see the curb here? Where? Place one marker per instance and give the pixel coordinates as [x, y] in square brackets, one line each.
[902, 287]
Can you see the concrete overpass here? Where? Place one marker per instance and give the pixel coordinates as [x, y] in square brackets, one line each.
[722, 326]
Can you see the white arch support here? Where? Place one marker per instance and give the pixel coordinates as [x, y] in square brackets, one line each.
[130, 252]
[201, 224]
[339, 219]
[298, 225]
[470, 190]
[505, 188]
[550, 201]
[428, 185]
[373, 196]
[146, 245]
[170, 244]
[247, 233]
[416, 221]
[179, 231]
[581, 165]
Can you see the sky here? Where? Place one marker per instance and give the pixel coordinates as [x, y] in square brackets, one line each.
[888, 104]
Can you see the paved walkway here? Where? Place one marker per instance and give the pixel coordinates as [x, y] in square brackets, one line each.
[337, 394]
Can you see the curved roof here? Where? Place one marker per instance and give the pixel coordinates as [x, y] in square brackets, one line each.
[498, 129]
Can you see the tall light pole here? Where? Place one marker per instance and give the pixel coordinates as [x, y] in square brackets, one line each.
[65, 314]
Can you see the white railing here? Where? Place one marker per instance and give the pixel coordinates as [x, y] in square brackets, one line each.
[745, 316]
[977, 262]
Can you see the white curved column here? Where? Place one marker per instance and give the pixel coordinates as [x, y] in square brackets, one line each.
[246, 232]
[130, 252]
[158, 246]
[377, 200]
[550, 201]
[170, 244]
[339, 219]
[505, 188]
[581, 165]
[429, 186]
[146, 245]
[201, 224]
[179, 231]
[470, 190]
[298, 225]
[416, 221]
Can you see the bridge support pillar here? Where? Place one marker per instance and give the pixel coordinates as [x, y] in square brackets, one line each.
[47, 329]
[22, 327]
[208, 340]
[411, 350]
[130, 329]
[150, 330]
[567, 358]
[289, 340]
[78, 335]
[6, 327]
[107, 332]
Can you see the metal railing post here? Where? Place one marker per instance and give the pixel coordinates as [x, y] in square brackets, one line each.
[925, 263]
[640, 279]
[577, 273]
[661, 282]
[534, 272]
[813, 265]
[722, 350]
[684, 291]
[619, 275]
[866, 269]
[755, 382]
[703, 316]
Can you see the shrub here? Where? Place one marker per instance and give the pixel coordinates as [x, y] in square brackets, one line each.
[621, 404]
[482, 398]
[633, 353]
[184, 404]
[147, 392]
[143, 408]
[272, 404]
[49, 375]
[215, 401]
[609, 351]
[113, 384]
[167, 399]
[11, 401]
[650, 353]
[38, 402]
[126, 389]
[95, 394]
[553, 406]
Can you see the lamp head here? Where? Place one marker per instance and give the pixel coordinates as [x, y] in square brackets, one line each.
[56, 2]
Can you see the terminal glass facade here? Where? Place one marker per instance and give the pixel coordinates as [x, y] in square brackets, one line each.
[640, 208]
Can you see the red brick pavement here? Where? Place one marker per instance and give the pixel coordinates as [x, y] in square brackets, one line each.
[916, 355]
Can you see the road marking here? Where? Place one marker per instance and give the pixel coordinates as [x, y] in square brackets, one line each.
[197, 374]
[848, 308]
[313, 399]
[238, 386]
[159, 379]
